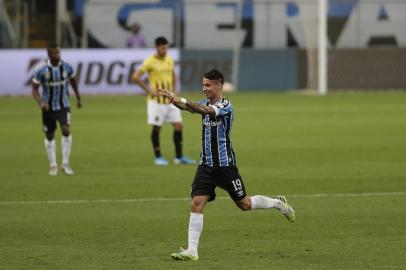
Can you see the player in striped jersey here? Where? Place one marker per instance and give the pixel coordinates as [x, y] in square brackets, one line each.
[54, 75]
[161, 74]
[217, 165]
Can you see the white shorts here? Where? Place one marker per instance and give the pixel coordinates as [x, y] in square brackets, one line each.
[161, 113]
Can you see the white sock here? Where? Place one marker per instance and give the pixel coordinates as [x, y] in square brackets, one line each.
[262, 202]
[50, 148]
[195, 229]
[66, 143]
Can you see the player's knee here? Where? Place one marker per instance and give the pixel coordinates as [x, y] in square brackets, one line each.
[196, 203]
[197, 206]
[49, 136]
[244, 205]
[65, 131]
[178, 126]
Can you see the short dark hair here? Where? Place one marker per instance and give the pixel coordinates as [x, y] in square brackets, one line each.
[52, 46]
[161, 41]
[214, 74]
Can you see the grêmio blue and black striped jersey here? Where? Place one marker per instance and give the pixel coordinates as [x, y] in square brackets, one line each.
[55, 83]
[217, 150]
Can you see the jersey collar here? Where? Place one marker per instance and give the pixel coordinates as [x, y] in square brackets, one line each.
[50, 64]
[217, 101]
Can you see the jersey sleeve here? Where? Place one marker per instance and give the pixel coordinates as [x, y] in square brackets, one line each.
[146, 65]
[38, 73]
[223, 108]
[69, 69]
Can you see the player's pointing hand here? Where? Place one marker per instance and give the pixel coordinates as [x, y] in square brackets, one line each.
[167, 94]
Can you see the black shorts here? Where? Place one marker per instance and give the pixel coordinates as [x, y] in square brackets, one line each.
[208, 178]
[49, 119]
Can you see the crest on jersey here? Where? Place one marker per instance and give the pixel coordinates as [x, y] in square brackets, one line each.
[47, 75]
[222, 104]
[64, 74]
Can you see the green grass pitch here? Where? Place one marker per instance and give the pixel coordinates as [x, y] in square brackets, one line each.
[339, 159]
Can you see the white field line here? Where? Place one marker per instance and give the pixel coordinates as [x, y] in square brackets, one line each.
[141, 200]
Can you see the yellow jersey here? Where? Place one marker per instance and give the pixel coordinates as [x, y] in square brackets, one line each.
[160, 74]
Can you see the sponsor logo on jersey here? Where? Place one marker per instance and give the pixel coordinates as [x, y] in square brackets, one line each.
[212, 123]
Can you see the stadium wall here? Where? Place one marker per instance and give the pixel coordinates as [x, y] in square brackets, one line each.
[98, 71]
[265, 24]
[259, 69]
[108, 71]
[378, 68]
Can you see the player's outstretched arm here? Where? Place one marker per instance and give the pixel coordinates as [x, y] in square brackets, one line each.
[183, 104]
[199, 108]
[173, 99]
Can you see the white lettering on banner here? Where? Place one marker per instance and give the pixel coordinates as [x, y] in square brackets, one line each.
[265, 32]
[210, 24]
[202, 22]
[364, 24]
[272, 21]
[97, 71]
[162, 26]
[102, 21]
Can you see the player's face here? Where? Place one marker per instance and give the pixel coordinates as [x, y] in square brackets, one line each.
[54, 55]
[161, 50]
[211, 88]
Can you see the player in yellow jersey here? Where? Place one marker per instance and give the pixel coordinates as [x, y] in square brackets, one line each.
[160, 69]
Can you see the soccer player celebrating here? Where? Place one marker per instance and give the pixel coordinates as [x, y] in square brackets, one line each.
[54, 75]
[161, 74]
[217, 166]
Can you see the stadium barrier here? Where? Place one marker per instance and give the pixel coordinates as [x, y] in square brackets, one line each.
[108, 71]
[375, 68]
[98, 71]
[259, 69]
